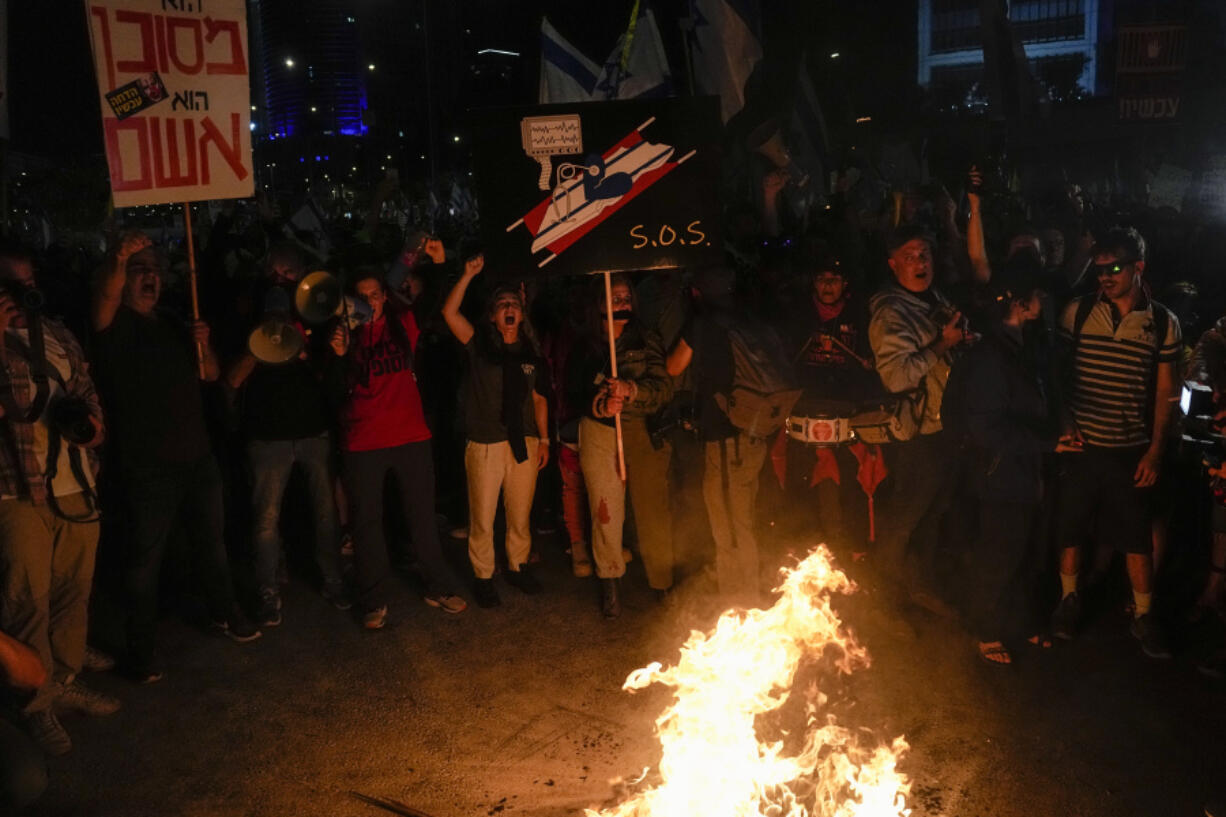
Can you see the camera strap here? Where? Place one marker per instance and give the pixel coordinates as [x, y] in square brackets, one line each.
[36, 354]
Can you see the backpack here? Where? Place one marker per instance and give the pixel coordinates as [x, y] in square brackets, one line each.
[763, 390]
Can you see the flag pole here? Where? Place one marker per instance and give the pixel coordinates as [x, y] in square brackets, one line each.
[617, 418]
[191, 280]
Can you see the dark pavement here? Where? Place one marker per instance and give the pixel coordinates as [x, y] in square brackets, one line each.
[519, 710]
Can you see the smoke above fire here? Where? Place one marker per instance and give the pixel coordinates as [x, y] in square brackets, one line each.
[715, 763]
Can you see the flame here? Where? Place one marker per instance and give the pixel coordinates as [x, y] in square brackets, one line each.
[714, 764]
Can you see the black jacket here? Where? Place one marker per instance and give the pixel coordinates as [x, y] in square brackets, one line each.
[995, 405]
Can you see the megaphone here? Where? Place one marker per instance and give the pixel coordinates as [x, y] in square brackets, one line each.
[319, 296]
[767, 140]
[274, 341]
[355, 311]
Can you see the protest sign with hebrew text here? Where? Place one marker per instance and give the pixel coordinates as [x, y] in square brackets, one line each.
[175, 98]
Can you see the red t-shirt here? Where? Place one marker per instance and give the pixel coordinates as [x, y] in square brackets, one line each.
[384, 408]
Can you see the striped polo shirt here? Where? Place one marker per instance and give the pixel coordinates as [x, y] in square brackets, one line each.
[1113, 370]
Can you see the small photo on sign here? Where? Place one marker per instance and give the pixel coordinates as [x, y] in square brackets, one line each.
[136, 95]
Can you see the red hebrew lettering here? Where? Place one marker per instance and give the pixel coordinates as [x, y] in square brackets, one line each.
[173, 26]
[104, 30]
[136, 125]
[171, 176]
[231, 152]
[148, 60]
[160, 30]
[237, 63]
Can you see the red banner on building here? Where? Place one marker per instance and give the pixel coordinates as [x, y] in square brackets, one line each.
[176, 103]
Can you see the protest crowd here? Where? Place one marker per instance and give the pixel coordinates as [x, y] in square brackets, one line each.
[971, 393]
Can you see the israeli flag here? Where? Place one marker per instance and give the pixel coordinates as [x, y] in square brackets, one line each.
[645, 73]
[566, 74]
[724, 49]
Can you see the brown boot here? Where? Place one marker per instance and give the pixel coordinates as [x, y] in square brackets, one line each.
[610, 604]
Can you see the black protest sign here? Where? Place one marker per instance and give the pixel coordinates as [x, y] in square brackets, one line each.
[599, 186]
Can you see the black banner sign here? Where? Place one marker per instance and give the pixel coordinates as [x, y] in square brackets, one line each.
[599, 186]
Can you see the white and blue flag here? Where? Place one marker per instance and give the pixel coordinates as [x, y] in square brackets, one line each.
[724, 49]
[567, 75]
[638, 67]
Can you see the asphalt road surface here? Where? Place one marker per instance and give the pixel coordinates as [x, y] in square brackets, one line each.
[519, 710]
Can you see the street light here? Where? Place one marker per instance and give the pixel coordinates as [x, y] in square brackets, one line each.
[370, 67]
[289, 62]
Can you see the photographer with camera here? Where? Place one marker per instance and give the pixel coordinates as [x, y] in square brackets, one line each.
[48, 514]
[914, 332]
[159, 457]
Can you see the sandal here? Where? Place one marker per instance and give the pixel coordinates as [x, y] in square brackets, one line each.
[994, 653]
[1040, 641]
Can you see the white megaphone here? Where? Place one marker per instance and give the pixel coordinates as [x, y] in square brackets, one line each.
[275, 340]
[767, 140]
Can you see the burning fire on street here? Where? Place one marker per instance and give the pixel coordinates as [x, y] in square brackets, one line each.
[714, 762]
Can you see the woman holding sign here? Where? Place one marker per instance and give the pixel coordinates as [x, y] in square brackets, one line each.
[640, 389]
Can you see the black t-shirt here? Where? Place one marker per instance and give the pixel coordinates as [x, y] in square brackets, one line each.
[712, 368]
[147, 376]
[481, 391]
[285, 402]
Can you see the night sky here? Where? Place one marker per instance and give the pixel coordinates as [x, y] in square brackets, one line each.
[54, 104]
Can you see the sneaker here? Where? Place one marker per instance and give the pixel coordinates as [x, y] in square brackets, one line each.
[146, 675]
[149, 671]
[47, 731]
[376, 618]
[1067, 614]
[97, 660]
[238, 629]
[485, 593]
[269, 612]
[335, 593]
[447, 602]
[582, 568]
[1149, 633]
[524, 580]
[78, 697]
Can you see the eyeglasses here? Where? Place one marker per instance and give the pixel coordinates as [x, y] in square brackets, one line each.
[623, 300]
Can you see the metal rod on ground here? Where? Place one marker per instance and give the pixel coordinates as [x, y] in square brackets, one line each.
[617, 418]
[191, 280]
[394, 806]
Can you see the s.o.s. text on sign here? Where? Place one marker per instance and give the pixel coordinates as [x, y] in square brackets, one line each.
[191, 57]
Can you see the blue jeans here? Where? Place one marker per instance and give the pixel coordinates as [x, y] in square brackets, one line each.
[271, 463]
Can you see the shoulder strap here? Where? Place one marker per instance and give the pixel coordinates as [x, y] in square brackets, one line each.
[1162, 324]
[1085, 305]
[35, 354]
